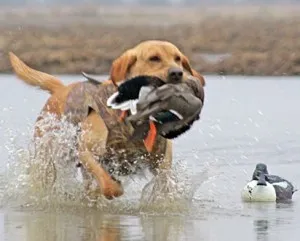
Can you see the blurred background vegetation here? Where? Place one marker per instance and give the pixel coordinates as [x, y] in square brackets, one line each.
[241, 37]
[150, 2]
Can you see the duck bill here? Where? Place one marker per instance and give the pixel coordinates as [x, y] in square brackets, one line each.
[262, 180]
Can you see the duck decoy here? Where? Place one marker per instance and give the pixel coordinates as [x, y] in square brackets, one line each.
[161, 108]
[267, 188]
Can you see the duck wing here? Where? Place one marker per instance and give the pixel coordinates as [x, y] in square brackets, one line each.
[284, 189]
[177, 104]
[273, 179]
[177, 99]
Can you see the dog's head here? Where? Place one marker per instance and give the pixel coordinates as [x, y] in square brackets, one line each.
[154, 58]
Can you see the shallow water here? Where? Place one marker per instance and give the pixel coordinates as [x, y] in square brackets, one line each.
[245, 120]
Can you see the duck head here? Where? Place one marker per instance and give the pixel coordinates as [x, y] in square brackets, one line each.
[260, 174]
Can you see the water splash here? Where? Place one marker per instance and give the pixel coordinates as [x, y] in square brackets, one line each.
[172, 191]
[44, 175]
[43, 169]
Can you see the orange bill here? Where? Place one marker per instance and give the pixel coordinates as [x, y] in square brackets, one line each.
[123, 115]
[150, 139]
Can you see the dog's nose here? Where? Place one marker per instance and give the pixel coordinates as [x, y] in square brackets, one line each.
[175, 74]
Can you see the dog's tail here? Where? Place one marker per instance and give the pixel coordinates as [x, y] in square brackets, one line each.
[34, 77]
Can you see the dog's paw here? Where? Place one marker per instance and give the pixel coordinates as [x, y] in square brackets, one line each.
[113, 190]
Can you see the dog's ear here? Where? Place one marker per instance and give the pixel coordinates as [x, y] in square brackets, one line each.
[186, 64]
[121, 66]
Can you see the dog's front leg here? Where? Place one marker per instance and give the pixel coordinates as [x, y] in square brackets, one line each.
[109, 187]
[162, 183]
[93, 141]
[164, 164]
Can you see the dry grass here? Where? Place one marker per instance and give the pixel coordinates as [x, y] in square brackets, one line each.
[256, 40]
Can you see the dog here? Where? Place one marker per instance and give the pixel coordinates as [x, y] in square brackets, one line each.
[103, 137]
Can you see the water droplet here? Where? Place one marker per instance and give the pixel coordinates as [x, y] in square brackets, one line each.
[260, 112]
[196, 156]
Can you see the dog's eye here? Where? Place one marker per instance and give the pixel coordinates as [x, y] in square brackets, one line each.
[177, 58]
[154, 58]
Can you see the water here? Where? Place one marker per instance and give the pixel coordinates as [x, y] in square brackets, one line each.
[245, 120]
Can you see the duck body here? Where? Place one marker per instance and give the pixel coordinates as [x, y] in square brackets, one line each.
[252, 192]
[267, 188]
[155, 107]
[172, 107]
